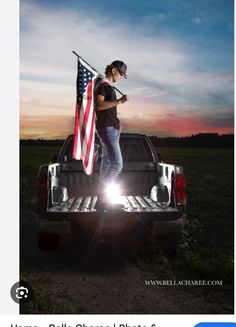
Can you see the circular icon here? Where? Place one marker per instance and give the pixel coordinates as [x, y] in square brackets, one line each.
[21, 292]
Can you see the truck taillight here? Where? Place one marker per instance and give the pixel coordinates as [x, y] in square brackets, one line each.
[42, 192]
[180, 190]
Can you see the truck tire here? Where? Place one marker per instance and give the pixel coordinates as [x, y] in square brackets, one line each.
[168, 243]
[47, 241]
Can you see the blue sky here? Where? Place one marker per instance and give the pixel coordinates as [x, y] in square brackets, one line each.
[179, 55]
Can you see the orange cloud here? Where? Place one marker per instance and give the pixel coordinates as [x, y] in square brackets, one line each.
[59, 127]
[47, 127]
[174, 126]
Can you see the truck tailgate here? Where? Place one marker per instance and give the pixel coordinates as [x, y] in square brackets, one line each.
[84, 206]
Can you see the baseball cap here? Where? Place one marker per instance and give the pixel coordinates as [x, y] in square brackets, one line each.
[121, 66]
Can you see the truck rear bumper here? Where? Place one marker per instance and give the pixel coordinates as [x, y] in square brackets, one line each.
[111, 223]
[53, 227]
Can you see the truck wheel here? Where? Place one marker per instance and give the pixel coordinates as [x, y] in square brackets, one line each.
[47, 241]
[168, 243]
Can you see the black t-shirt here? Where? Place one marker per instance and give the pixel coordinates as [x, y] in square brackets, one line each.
[107, 117]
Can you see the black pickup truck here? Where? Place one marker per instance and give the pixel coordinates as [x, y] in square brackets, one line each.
[153, 195]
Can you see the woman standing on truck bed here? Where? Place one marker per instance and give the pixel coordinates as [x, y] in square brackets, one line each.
[108, 128]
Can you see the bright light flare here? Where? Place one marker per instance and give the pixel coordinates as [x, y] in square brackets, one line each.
[113, 192]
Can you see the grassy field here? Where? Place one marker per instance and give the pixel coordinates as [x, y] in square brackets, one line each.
[207, 247]
[208, 244]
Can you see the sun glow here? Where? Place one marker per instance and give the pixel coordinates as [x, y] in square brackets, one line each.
[113, 192]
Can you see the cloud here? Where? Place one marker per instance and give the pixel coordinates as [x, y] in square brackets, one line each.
[197, 20]
[178, 125]
[223, 119]
[38, 98]
[48, 37]
[165, 72]
[47, 43]
[160, 124]
[47, 127]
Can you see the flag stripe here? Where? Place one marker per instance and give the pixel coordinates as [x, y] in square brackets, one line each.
[91, 143]
[83, 147]
[76, 131]
[87, 111]
[89, 154]
[87, 121]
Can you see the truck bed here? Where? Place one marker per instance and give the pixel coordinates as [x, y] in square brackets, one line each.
[86, 204]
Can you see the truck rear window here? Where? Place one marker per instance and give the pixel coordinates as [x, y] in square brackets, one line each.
[132, 150]
[135, 150]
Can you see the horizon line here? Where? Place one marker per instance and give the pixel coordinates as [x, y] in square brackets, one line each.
[177, 137]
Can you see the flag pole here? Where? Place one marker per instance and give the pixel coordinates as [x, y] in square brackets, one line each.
[95, 70]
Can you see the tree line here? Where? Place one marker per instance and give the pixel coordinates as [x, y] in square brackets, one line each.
[202, 140]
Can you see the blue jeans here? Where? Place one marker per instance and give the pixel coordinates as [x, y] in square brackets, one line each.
[112, 162]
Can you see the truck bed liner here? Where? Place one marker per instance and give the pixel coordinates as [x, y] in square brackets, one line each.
[138, 203]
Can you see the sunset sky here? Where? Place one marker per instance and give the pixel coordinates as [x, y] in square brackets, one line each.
[179, 55]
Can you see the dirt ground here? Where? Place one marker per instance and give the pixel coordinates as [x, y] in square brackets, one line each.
[104, 281]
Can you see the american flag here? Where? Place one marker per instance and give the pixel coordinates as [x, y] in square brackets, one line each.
[83, 148]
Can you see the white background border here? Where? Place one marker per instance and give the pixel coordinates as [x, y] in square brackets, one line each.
[9, 159]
